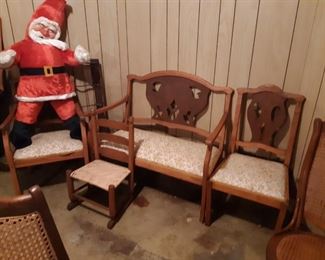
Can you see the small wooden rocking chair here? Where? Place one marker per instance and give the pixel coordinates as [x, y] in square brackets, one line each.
[103, 174]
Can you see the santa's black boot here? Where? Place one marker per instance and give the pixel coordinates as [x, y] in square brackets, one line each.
[73, 124]
[20, 135]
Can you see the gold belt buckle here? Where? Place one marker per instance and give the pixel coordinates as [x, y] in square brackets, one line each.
[48, 71]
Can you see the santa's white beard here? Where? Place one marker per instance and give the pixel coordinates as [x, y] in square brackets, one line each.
[38, 37]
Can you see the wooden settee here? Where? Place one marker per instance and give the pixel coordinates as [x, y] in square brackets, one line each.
[167, 135]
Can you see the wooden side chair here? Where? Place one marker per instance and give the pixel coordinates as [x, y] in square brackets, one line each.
[102, 174]
[51, 143]
[27, 228]
[258, 167]
[304, 237]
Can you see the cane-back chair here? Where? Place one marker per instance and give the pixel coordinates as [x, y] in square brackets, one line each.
[27, 228]
[304, 237]
[258, 166]
[103, 174]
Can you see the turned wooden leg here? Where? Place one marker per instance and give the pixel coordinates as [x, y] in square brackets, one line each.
[281, 217]
[111, 206]
[203, 203]
[207, 215]
[73, 201]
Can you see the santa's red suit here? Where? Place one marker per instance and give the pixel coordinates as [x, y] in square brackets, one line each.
[34, 58]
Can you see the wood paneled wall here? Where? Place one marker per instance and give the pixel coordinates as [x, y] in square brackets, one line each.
[238, 43]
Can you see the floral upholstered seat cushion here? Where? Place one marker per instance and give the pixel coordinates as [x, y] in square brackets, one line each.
[253, 174]
[170, 151]
[47, 143]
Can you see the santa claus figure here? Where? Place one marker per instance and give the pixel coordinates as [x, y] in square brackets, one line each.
[42, 57]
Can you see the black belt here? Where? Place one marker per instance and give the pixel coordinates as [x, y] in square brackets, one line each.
[46, 71]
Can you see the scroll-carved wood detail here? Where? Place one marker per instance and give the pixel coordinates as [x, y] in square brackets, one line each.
[267, 114]
[177, 99]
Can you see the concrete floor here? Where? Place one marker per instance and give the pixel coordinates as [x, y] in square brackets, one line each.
[157, 225]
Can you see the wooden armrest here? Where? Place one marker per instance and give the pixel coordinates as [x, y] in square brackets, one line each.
[6, 122]
[214, 134]
[108, 107]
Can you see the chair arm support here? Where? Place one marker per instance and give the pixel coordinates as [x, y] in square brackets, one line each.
[214, 134]
[80, 113]
[295, 222]
[108, 107]
[6, 122]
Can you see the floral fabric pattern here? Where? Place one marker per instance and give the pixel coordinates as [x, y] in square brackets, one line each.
[180, 153]
[253, 174]
[43, 144]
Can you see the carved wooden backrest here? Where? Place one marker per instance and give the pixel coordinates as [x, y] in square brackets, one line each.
[267, 114]
[176, 96]
[266, 109]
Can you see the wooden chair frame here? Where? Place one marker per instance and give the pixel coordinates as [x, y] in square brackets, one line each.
[97, 123]
[91, 76]
[29, 203]
[297, 225]
[22, 163]
[216, 137]
[284, 155]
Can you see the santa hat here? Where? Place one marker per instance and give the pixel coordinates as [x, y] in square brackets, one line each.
[52, 10]
[49, 13]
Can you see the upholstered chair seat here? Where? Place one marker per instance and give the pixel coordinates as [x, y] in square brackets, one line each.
[182, 154]
[49, 143]
[239, 170]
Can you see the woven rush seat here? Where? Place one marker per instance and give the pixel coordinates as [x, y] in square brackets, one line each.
[116, 181]
[49, 143]
[101, 174]
[238, 170]
[179, 153]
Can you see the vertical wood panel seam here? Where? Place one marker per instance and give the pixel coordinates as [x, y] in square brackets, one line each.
[290, 47]
[119, 47]
[86, 22]
[217, 44]
[150, 39]
[311, 122]
[10, 22]
[150, 36]
[215, 62]
[166, 60]
[198, 36]
[127, 36]
[100, 34]
[179, 29]
[253, 48]
[231, 41]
